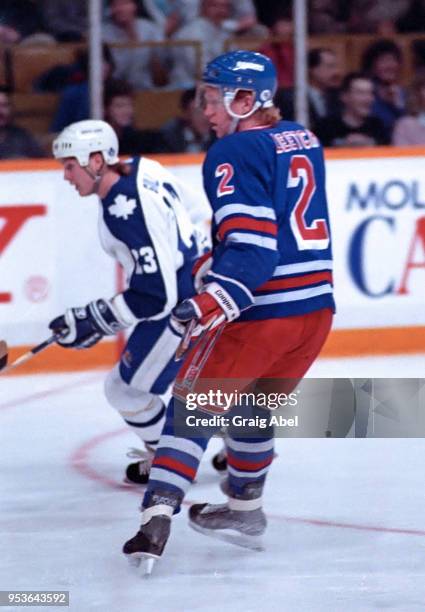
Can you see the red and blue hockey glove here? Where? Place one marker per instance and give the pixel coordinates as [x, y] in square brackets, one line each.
[87, 325]
[207, 310]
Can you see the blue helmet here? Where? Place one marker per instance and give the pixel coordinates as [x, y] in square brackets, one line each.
[243, 70]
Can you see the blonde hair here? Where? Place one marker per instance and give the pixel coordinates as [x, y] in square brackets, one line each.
[269, 115]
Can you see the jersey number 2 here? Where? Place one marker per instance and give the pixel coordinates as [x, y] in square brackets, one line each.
[226, 172]
[315, 235]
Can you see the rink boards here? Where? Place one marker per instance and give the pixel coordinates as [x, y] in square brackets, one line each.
[50, 256]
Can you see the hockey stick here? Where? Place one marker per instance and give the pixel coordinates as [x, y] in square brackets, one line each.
[205, 345]
[4, 354]
[187, 336]
[185, 341]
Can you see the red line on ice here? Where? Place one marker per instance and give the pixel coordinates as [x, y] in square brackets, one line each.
[80, 461]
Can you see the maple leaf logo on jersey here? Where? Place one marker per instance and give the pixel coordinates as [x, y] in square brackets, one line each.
[122, 207]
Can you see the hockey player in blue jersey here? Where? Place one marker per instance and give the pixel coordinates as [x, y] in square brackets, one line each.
[269, 279]
[145, 224]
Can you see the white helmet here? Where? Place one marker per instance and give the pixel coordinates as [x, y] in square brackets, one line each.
[85, 137]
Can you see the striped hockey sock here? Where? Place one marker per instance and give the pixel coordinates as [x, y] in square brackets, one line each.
[248, 461]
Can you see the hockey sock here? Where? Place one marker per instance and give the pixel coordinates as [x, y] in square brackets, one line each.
[177, 457]
[248, 461]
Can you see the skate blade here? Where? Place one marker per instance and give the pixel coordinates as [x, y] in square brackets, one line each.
[232, 537]
[134, 484]
[144, 562]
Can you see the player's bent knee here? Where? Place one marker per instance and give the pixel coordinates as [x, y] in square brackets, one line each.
[127, 400]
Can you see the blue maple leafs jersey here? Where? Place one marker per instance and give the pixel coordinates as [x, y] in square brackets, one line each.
[144, 224]
[271, 230]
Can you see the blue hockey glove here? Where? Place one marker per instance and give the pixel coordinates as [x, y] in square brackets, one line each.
[87, 325]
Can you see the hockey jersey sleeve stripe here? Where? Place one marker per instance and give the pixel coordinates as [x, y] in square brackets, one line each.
[308, 266]
[262, 212]
[296, 281]
[292, 296]
[243, 298]
[245, 223]
[260, 241]
[238, 284]
[123, 309]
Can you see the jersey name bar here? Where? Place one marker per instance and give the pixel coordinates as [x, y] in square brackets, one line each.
[294, 140]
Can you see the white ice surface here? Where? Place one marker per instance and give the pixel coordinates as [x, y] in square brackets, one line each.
[339, 513]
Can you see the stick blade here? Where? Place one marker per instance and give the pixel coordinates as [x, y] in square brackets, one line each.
[3, 354]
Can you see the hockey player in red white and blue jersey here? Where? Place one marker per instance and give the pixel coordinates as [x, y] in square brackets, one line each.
[269, 279]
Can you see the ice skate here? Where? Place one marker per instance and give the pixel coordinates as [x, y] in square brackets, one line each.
[147, 546]
[138, 472]
[240, 521]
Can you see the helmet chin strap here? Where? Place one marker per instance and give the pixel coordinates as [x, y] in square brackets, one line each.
[233, 125]
[228, 98]
[95, 177]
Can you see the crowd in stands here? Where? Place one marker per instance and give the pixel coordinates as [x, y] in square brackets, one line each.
[146, 48]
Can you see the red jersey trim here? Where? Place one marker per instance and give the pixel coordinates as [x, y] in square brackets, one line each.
[244, 223]
[296, 281]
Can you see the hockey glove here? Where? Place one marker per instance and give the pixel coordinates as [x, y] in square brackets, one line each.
[208, 309]
[86, 326]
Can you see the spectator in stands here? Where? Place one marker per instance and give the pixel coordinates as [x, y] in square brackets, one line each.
[21, 21]
[355, 126]
[171, 15]
[281, 52]
[188, 133]
[15, 142]
[74, 103]
[410, 130]
[326, 17]
[65, 19]
[210, 30]
[382, 61]
[119, 112]
[376, 16]
[243, 20]
[324, 78]
[143, 67]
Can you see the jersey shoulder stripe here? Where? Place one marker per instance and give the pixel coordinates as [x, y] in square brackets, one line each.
[264, 212]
